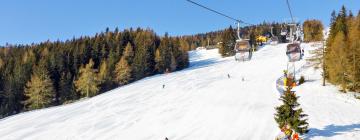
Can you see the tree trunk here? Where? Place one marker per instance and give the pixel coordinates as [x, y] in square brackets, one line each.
[323, 64]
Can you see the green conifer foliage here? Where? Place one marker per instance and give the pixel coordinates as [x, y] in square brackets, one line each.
[290, 113]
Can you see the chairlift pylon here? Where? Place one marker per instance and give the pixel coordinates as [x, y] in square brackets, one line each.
[293, 49]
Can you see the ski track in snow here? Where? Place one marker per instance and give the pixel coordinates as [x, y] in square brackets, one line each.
[198, 103]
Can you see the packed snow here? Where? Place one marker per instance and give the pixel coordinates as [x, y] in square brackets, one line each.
[198, 103]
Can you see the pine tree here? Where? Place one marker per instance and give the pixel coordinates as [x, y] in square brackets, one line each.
[341, 21]
[333, 30]
[122, 72]
[165, 52]
[113, 59]
[342, 51]
[185, 60]
[337, 61]
[290, 113]
[104, 74]
[178, 54]
[173, 64]
[141, 58]
[313, 30]
[228, 42]
[88, 83]
[129, 53]
[63, 60]
[1, 63]
[67, 89]
[184, 46]
[160, 66]
[39, 91]
[9, 103]
[354, 54]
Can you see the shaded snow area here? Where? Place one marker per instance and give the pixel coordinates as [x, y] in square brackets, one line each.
[198, 103]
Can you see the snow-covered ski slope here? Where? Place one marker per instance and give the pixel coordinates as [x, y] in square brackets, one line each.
[198, 103]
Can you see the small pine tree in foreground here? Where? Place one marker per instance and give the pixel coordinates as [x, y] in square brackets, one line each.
[290, 113]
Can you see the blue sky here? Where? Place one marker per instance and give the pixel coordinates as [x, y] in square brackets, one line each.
[27, 21]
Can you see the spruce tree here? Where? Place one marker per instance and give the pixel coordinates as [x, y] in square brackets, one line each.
[341, 20]
[113, 59]
[228, 42]
[140, 60]
[290, 113]
[173, 64]
[67, 89]
[88, 83]
[39, 91]
[9, 103]
[165, 52]
[122, 72]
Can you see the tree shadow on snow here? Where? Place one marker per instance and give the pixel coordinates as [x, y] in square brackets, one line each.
[203, 63]
[332, 130]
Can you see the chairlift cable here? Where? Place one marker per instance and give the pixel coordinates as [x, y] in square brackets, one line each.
[229, 17]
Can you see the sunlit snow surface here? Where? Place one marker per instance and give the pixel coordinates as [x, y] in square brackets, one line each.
[198, 103]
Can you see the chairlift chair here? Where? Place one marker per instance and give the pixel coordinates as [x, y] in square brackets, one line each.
[242, 50]
[293, 51]
[274, 39]
[242, 47]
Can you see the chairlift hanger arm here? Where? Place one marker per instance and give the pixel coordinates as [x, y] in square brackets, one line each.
[288, 4]
[219, 13]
